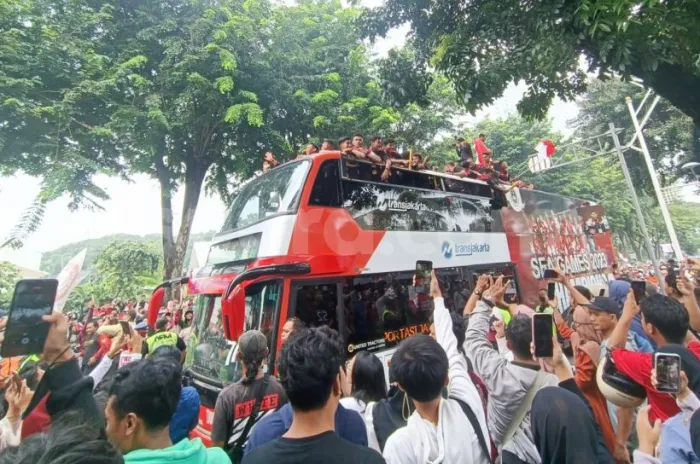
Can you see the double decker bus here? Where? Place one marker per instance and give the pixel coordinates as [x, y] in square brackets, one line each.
[325, 240]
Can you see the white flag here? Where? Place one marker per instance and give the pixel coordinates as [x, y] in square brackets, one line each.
[68, 278]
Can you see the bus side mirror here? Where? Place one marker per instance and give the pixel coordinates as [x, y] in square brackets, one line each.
[154, 305]
[233, 311]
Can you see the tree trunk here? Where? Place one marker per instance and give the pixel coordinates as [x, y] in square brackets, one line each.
[194, 178]
[166, 208]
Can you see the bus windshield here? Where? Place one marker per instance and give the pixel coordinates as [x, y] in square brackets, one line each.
[274, 193]
[207, 347]
[209, 354]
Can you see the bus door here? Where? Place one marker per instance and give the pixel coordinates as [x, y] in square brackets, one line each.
[318, 303]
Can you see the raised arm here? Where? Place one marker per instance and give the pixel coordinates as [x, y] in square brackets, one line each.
[687, 289]
[482, 284]
[575, 294]
[618, 338]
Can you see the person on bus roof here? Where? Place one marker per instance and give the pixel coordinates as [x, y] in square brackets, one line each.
[327, 145]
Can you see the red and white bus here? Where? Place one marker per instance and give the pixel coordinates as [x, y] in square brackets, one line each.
[325, 240]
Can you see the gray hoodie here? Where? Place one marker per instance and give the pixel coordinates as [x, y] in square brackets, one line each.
[507, 385]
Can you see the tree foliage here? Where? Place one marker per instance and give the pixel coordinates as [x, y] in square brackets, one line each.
[9, 275]
[190, 92]
[668, 132]
[483, 46]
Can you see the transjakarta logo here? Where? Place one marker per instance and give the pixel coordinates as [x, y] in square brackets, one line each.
[398, 205]
[463, 249]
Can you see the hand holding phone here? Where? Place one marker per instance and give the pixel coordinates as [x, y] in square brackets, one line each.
[639, 287]
[26, 330]
[668, 372]
[551, 290]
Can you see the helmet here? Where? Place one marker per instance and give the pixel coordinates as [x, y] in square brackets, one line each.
[617, 387]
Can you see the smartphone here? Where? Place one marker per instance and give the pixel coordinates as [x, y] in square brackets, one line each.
[668, 372]
[601, 292]
[639, 287]
[551, 290]
[550, 274]
[26, 332]
[423, 270]
[542, 333]
[126, 328]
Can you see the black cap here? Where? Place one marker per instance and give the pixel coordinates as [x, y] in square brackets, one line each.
[605, 305]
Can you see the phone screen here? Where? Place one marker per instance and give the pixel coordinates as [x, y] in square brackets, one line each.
[542, 335]
[639, 289]
[668, 372]
[26, 332]
[551, 290]
[550, 274]
[423, 270]
[126, 328]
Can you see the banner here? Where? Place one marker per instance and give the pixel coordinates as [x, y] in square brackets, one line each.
[68, 278]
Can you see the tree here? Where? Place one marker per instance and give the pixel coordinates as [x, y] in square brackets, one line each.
[483, 46]
[41, 131]
[125, 269]
[668, 132]
[9, 275]
[686, 221]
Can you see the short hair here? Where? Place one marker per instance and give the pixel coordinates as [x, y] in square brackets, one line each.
[161, 324]
[309, 365]
[375, 138]
[132, 315]
[150, 389]
[313, 145]
[450, 163]
[584, 291]
[482, 135]
[668, 316]
[298, 323]
[519, 334]
[167, 352]
[71, 439]
[389, 142]
[343, 140]
[329, 142]
[357, 134]
[368, 382]
[420, 367]
[93, 322]
[460, 139]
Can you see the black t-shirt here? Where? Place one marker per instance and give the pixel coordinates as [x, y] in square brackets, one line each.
[320, 449]
[465, 152]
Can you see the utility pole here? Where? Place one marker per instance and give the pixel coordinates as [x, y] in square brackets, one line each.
[637, 207]
[652, 173]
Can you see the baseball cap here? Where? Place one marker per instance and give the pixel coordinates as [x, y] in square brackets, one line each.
[604, 305]
[143, 325]
[252, 345]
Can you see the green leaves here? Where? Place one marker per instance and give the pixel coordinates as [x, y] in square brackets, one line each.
[224, 84]
[253, 113]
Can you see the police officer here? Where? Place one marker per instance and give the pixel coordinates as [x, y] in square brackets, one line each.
[163, 337]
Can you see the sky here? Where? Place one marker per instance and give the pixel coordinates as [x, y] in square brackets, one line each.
[134, 207]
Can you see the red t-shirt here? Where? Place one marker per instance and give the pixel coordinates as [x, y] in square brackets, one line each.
[638, 366]
[480, 148]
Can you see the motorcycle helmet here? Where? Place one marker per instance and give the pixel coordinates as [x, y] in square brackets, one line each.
[618, 388]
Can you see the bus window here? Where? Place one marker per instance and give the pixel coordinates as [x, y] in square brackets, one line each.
[326, 187]
[261, 302]
[317, 304]
[387, 207]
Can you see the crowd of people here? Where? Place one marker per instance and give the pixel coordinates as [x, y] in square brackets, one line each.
[456, 395]
[384, 152]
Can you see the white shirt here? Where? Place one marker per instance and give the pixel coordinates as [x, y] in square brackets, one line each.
[452, 440]
[353, 404]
